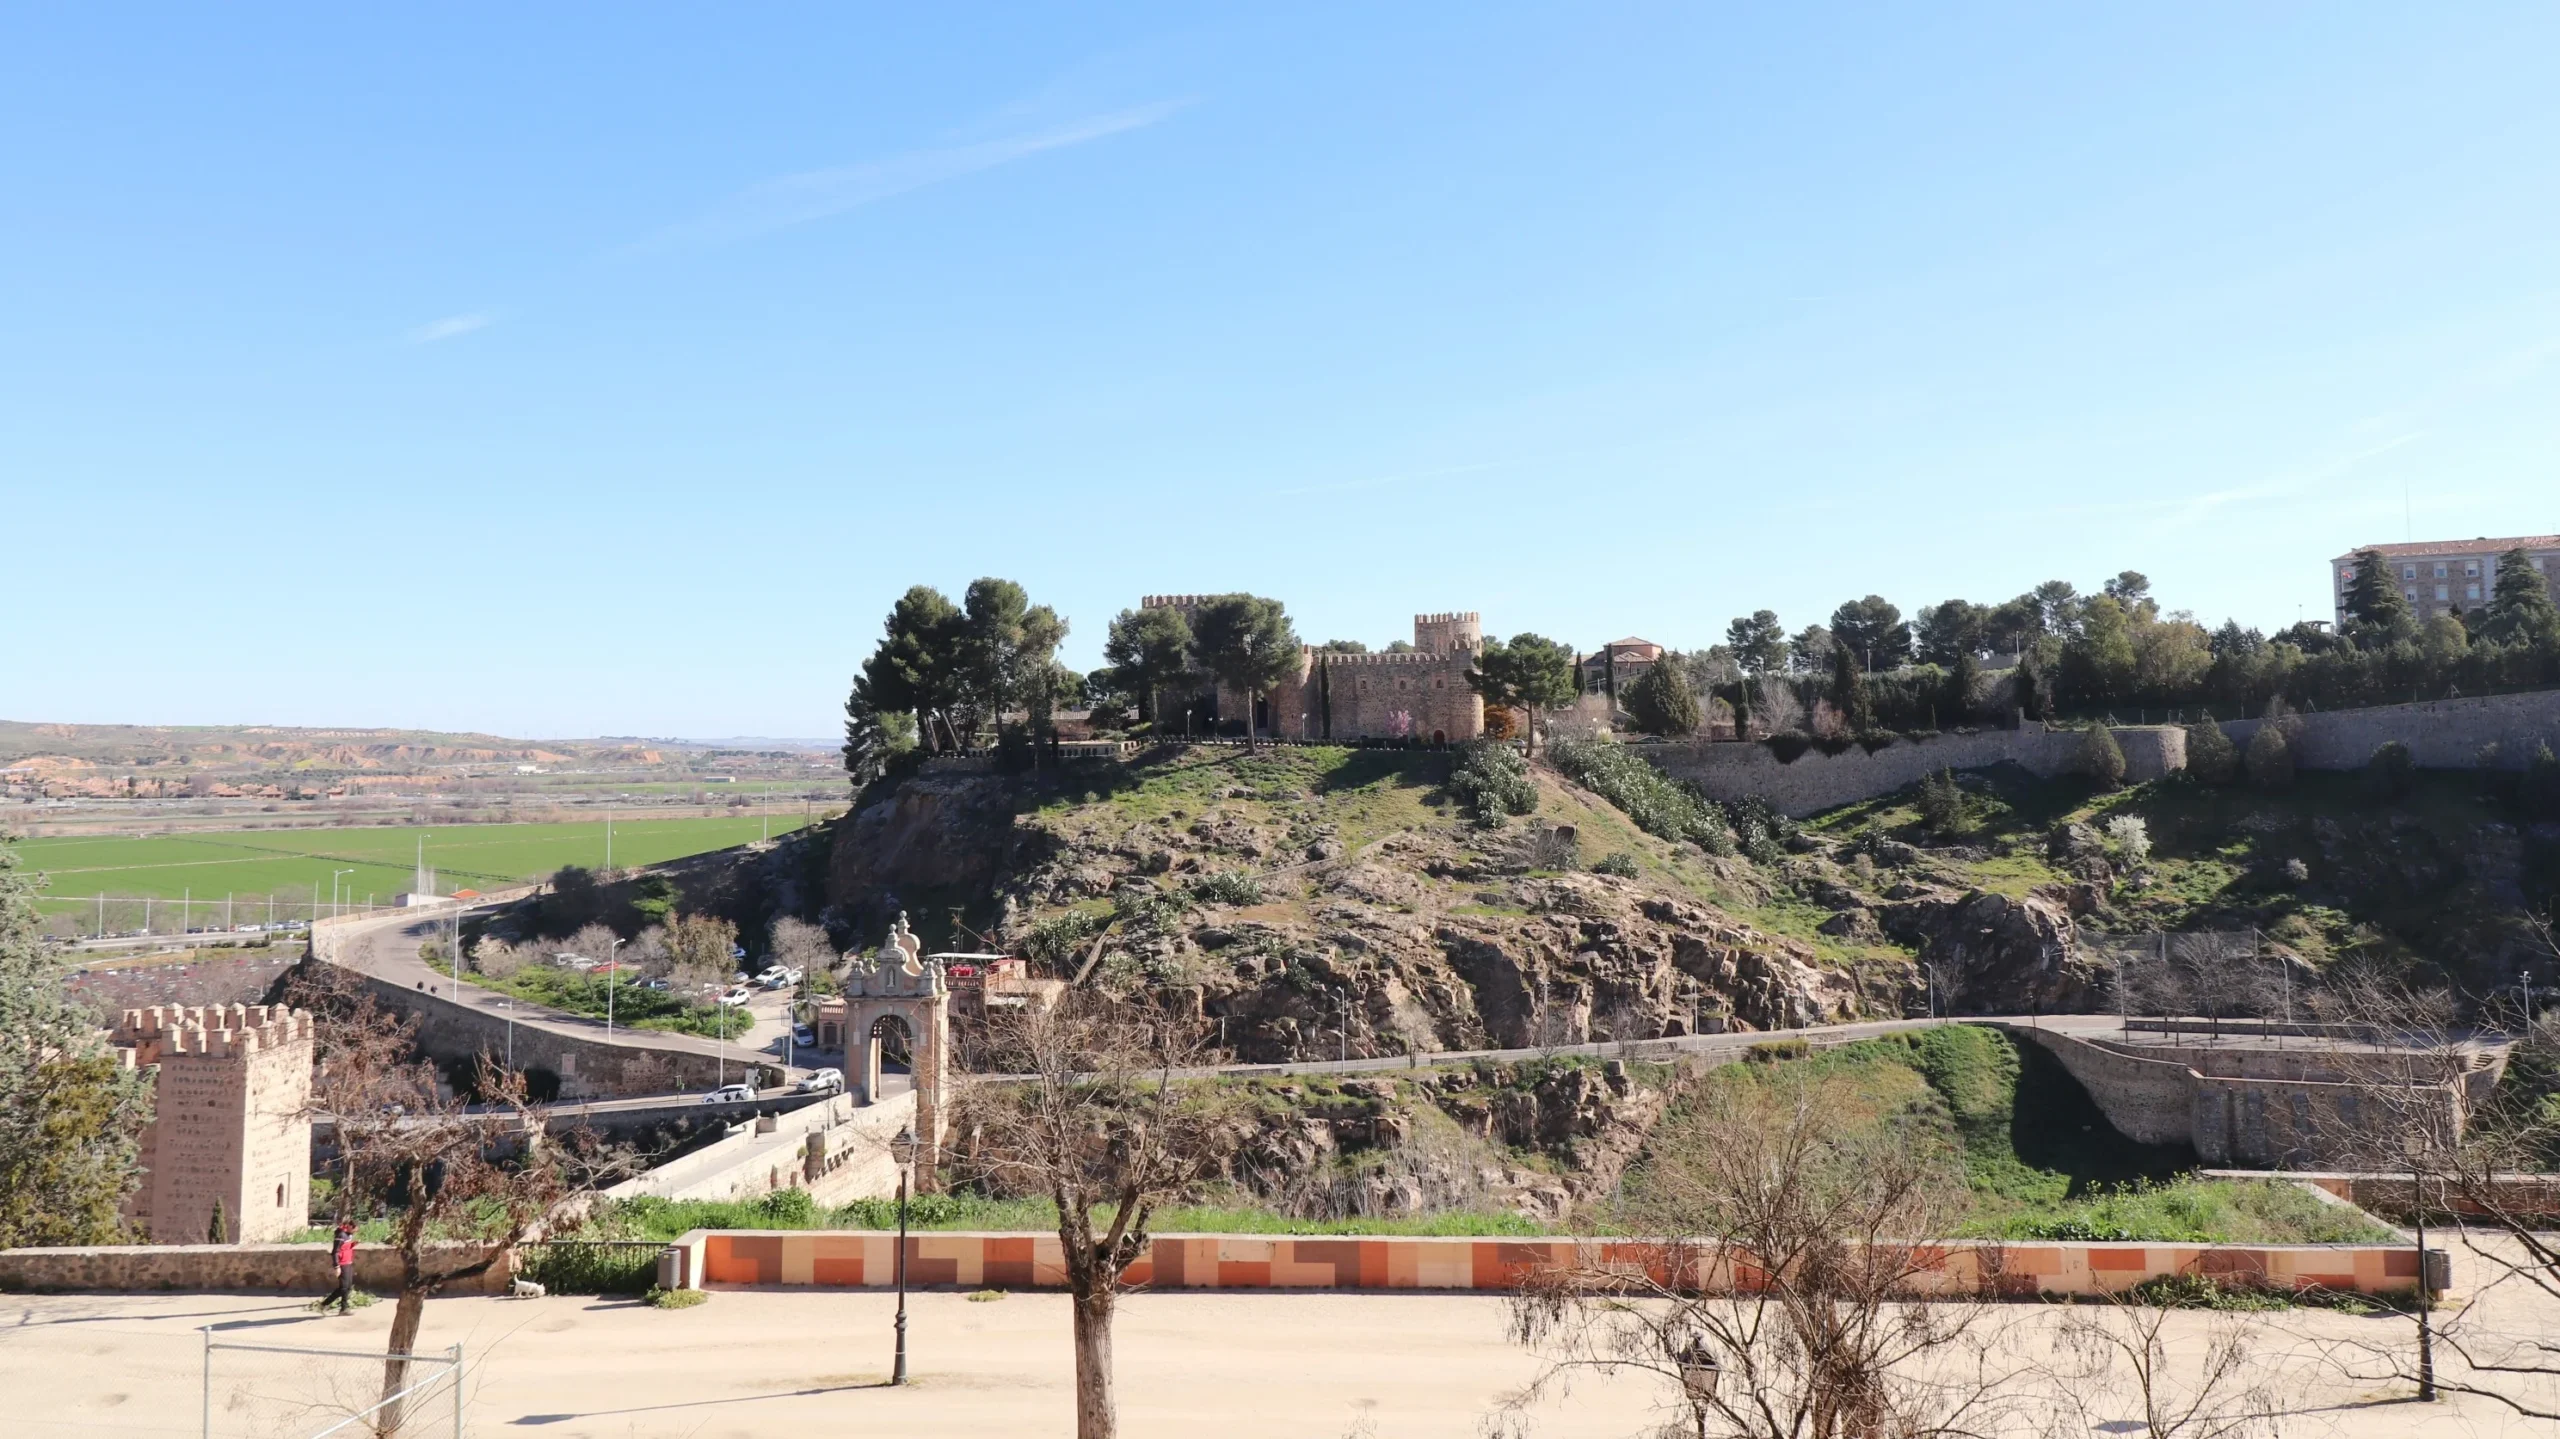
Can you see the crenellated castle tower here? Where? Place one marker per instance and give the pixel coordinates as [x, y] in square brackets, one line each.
[230, 1120]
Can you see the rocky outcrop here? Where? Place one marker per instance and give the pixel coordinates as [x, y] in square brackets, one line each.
[1995, 954]
[1536, 1140]
[933, 835]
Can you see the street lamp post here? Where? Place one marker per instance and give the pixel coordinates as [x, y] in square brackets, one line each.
[612, 972]
[902, 1149]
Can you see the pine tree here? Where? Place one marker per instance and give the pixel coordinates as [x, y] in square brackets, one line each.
[69, 1115]
[2520, 608]
[2374, 600]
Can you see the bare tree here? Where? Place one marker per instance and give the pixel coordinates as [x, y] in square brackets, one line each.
[798, 944]
[2412, 1075]
[1095, 1121]
[1781, 1293]
[2121, 1355]
[458, 1206]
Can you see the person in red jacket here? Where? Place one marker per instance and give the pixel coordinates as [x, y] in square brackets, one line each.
[342, 1253]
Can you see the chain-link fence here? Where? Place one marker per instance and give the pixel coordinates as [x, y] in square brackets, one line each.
[2206, 974]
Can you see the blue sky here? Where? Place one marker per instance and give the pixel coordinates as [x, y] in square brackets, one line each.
[573, 370]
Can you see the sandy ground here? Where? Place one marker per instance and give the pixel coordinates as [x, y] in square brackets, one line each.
[766, 1362]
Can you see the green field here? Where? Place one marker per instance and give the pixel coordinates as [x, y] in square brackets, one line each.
[253, 864]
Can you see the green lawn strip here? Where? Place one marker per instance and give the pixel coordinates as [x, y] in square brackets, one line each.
[572, 992]
[649, 1218]
[249, 865]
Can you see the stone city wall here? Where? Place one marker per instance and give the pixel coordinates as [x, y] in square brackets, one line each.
[1224, 1261]
[215, 1268]
[2441, 734]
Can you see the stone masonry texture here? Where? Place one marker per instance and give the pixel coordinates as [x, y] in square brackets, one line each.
[230, 1121]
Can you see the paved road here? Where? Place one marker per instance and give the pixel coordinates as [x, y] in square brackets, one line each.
[387, 949]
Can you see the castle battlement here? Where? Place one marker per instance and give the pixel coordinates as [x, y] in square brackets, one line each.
[1450, 617]
[217, 1031]
[1407, 657]
[1175, 602]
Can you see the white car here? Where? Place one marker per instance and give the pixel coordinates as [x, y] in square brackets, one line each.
[775, 979]
[821, 1081]
[730, 1094]
[735, 997]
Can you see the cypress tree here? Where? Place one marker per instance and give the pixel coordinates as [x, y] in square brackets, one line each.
[1849, 693]
[2211, 756]
[2101, 758]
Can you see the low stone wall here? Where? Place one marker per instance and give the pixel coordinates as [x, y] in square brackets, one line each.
[2149, 1101]
[2254, 1107]
[1228, 1261]
[588, 1068]
[2534, 1197]
[215, 1268]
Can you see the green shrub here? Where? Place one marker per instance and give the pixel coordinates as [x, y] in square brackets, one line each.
[2101, 758]
[1492, 780]
[2270, 758]
[1622, 865]
[1661, 702]
[1658, 806]
[2211, 756]
[1233, 886]
[1759, 830]
[1943, 804]
[2391, 774]
[676, 1298]
[583, 1267]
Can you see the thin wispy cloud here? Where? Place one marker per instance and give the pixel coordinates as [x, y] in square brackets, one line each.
[788, 200]
[449, 327]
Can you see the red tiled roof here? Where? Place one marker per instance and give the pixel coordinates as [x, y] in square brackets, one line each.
[2482, 546]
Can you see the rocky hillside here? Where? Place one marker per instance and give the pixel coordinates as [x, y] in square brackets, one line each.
[1313, 902]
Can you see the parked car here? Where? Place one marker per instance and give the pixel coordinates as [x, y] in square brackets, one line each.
[729, 1094]
[803, 1036]
[821, 1081]
[735, 997]
[659, 985]
[775, 979]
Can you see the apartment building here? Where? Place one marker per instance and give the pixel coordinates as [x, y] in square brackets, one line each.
[2446, 577]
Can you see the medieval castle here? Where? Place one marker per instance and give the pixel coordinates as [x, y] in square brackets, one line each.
[1420, 694]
